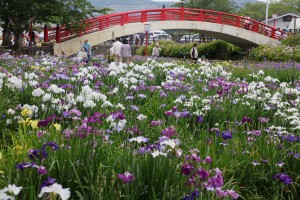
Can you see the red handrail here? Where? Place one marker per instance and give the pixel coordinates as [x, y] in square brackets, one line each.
[165, 14]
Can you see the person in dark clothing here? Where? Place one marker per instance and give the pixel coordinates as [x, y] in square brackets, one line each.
[194, 53]
[32, 38]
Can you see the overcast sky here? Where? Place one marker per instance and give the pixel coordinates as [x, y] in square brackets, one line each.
[166, 0]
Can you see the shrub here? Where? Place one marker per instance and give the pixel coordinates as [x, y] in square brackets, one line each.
[280, 53]
[290, 40]
[217, 49]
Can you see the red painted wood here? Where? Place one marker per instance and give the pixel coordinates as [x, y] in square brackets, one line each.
[46, 36]
[164, 14]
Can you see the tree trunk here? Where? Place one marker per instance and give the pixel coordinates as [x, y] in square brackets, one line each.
[6, 33]
[18, 41]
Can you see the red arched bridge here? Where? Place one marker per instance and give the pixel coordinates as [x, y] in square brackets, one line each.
[232, 28]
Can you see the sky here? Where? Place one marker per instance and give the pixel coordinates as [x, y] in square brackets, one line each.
[128, 5]
[166, 0]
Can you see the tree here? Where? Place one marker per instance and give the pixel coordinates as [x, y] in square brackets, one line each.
[292, 5]
[228, 6]
[257, 10]
[18, 15]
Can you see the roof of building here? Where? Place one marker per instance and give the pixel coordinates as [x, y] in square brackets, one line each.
[281, 16]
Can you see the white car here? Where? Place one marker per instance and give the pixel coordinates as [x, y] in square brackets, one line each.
[157, 32]
[189, 38]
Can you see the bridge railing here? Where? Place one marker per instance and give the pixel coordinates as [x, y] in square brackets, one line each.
[164, 14]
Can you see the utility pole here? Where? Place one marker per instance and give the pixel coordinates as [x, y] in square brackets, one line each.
[267, 12]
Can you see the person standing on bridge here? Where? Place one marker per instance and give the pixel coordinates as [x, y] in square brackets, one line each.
[247, 22]
[88, 48]
[194, 53]
[117, 51]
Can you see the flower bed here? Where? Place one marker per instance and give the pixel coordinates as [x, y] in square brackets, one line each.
[148, 131]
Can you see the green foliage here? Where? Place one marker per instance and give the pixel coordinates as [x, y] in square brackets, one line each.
[257, 10]
[290, 41]
[18, 15]
[228, 6]
[217, 49]
[89, 159]
[280, 53]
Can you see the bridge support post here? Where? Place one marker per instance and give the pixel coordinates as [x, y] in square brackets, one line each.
[255, 27]
[144, 17]
[163, 14]
[219, 18]
[46, 38]
[101, 24]
[182, 12]
[122, 20]
[58, 38]
[273, 33]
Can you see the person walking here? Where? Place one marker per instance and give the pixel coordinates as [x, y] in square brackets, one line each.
[247, 22]
[117, 51]
[194, 53]
[32, 38]
[88, 48]
[125, 52]
[155, 51]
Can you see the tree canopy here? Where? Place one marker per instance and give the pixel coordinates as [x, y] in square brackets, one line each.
[228, 6]
[18, 15]
[257, 10]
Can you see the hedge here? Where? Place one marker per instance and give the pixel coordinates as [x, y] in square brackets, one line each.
[216, 49]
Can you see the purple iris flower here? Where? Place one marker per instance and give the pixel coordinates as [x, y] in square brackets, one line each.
[216, 181]
[247, 119]
[127, 177]
[134, 107]
[200, 119]
[192, 196]
[48, 182]
[263, 120]
[290, 138]
[53, 145]
[169, 132]
[42, 170]
[208, 159]
[33, 154]
[23, 166]
[169, 112]
[155, 123]
[226, 135]
[43, 123]
[120, 115]
[203, 174]
[186, 169]
[163, 94]
[284, 178]
[185, 113]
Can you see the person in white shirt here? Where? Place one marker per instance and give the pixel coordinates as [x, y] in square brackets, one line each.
[82, 54]
[117, 50]
[155, 51]
[278, 34]
[247, 22]
[202, 60]
[194, 53]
